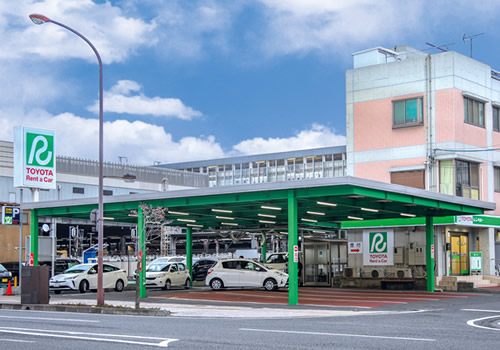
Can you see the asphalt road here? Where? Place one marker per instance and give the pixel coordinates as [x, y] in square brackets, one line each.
[462, 323]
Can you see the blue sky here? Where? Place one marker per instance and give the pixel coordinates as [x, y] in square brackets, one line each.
[192, 80]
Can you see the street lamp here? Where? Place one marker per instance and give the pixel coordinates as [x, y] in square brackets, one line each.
[40, 19]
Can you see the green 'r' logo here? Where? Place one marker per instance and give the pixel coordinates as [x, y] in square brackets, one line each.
[40, 150]
[378, 242]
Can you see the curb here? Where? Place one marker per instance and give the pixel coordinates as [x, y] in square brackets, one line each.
[87, 309]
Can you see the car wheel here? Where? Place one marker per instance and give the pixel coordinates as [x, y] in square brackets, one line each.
[57, 292]
[216, 284]
[119, 286]
[187, 285]
[270, 284]
[84, 286]
[167, 285]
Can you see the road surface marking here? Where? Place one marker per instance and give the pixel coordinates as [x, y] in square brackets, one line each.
[18, 341]
[85, 336]
[495, 311]
[473, 323]
[336, 334]
[51, 319]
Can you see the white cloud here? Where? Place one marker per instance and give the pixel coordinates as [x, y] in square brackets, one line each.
[113, 34]
[117, 100]
[315, 137]
[140, 142]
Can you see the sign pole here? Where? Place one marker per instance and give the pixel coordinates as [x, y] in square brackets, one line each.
[20, 236]
[429, 251]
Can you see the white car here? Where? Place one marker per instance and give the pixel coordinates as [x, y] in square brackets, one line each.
[278, 261]
[244, 273]
[83, 277]
[166, 275]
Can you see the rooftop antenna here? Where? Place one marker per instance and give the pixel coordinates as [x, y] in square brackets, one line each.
[440, 47]
[465, 37]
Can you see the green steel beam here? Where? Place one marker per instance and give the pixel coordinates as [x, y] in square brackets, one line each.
[34, 236]
[429, 251]
[263, 251]
[141, 231]
[293, 286]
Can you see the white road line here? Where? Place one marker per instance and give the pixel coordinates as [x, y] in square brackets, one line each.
[337, 334]
[18, 341]
[495, 311]
[85, 336]
[473, 323]
[51, 319]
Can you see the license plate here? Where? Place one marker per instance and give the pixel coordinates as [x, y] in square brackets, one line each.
[5, 280]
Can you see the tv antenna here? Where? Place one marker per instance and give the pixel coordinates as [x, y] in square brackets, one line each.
[465, 37]
[442, 48]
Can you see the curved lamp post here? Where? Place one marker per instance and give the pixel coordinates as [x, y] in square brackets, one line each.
[40, 19]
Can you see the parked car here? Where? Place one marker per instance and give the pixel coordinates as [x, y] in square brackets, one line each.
[12, 267]
[244, 273]
[201, 266]
[164, 260]
[166, 275]
[5, 276]
[278, 261]
[83, 277]
[60, 264]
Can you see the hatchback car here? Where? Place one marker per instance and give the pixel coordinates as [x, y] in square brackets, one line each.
[166, 275]
[83, 277]
[244, 273]
[278, 261]
[5, 276]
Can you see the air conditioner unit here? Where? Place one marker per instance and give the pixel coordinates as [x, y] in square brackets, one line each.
[343, 234]
[352, 272]
[377, 273]
[403, 273]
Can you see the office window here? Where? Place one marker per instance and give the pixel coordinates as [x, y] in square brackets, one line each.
[473, 112]
[79, 190]
[467, 179]
[107, 193]
[407, 112]
[496, 121]
[414, 178]
[497, 179]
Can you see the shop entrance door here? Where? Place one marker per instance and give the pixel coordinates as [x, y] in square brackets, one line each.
[459, 254]
[317, 264]
[338, 259]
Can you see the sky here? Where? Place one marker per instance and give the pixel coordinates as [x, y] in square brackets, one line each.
[203, 79]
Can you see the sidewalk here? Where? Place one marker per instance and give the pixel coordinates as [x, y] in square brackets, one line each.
[189, 310]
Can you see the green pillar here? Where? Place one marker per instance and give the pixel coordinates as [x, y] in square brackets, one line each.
[141, 231]
[189, 252]
[429, 251]
[293, 285]
[263, 250]
[34, 236]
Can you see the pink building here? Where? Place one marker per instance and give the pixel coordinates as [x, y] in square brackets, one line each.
[430, 121]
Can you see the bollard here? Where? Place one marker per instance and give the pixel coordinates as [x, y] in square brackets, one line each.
[15, 281]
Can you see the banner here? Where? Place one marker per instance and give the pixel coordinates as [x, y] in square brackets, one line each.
[378, 247]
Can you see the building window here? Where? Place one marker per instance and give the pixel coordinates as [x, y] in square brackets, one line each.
[79, 190]
[407, 112]
[107, 192]
[473, 112]
[414, 178]
[497, 179]
[496, 121]
[467, 179]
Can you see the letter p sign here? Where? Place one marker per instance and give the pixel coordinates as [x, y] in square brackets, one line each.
[378, 242]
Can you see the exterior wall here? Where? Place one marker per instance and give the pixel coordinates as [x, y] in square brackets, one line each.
[379, 171]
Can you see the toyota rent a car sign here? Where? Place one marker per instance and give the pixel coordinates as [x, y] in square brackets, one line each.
[378, 247]
[34, 158]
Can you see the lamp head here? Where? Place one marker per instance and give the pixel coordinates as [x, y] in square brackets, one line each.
[39, 19]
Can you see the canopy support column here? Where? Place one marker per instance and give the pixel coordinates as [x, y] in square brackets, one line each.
[189, 253]
[141, 231]
[34, 237]
[263, 251]
[293, 286]
[429, 251]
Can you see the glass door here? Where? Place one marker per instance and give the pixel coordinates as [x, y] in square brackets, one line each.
[459, 254]
[317, 264]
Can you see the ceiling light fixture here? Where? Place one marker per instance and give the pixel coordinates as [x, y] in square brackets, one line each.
[354, 218]
[177, 212]
[224, 217]
[315, 213]
[229, 223]
[270, 208]
[370, 209]
[267, 215]
[408, 215]
[222, 211]
[327, 204]
[194, 225]
[267, 222]
[309, 220]
[186, 220]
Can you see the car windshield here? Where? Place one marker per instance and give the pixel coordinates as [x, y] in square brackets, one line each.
[77, 269]
[157, 267]
[2, 269]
